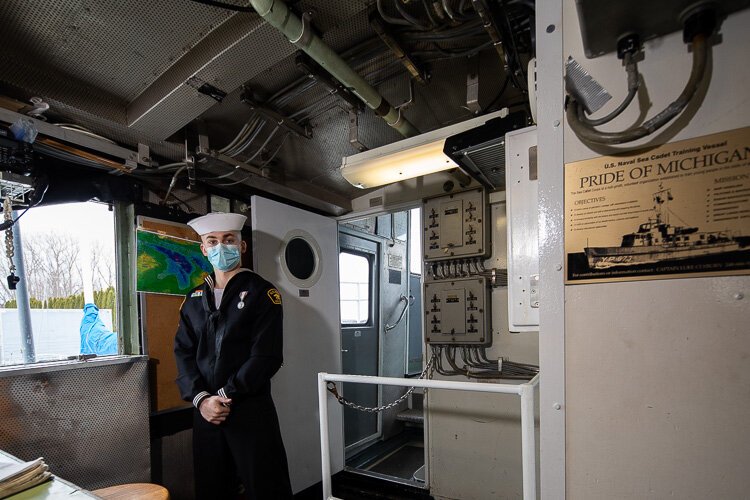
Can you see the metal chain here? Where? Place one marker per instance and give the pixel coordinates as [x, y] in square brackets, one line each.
[9, 249]
[428, 372]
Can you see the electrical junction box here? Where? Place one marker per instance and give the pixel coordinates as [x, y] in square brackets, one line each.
[457, 311]
[455, 226]
[604, 23]
[522, 201]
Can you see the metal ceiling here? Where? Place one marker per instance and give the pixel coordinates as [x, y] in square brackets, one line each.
[115, 49]
[119, 69]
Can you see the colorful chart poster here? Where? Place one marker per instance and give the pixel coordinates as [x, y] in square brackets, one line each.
[169, 265]
[680, 210]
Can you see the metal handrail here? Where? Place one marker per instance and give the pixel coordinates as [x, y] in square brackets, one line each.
[525, 391]
[407, 303]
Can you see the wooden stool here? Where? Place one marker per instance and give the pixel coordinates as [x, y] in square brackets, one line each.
[140, 491]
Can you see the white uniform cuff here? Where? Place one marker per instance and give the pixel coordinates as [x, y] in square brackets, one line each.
[221, 393]
[200, 397]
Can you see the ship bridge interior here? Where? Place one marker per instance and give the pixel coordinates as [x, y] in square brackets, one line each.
[510, 240]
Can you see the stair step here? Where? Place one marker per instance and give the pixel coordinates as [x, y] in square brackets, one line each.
[412, 415]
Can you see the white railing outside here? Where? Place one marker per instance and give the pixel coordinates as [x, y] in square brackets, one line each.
[525, 391]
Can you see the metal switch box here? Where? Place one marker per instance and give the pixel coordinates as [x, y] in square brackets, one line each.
[456, 226]
[457, 311]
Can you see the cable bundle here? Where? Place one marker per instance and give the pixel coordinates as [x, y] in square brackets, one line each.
[477, 365]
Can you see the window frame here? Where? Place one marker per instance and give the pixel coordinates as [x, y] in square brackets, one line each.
[127, 324]
[370, 316]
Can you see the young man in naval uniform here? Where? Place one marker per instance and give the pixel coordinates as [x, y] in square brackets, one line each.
[228, 346]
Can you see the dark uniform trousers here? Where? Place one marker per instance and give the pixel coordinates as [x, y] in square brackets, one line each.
[247, 446]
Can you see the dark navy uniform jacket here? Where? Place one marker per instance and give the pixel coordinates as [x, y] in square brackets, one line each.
[234, 349]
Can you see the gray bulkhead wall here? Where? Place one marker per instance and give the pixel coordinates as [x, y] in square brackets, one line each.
[393, 284]
[656, 380]
[475, 439]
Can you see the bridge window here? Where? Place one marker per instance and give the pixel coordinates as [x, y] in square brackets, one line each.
[70, 283]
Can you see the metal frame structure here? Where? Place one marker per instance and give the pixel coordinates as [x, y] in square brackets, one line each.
[550, 164]
[526, 391]
[129, 337]
[130, 158]
[379, 241]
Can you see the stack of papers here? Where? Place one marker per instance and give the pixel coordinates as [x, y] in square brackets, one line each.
[19, 476]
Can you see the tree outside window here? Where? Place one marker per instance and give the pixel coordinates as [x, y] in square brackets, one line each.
[67, 248]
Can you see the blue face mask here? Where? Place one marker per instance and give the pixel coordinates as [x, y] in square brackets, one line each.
[224, 257]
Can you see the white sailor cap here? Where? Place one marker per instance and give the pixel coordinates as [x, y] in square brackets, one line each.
[217, 221]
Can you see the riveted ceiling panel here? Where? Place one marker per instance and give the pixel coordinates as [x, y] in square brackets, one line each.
[348, 30]
[20, 80]
[330, 14]
[232, 54]
[118, 47]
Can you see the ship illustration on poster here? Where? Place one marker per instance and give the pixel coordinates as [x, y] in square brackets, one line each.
[657, 240]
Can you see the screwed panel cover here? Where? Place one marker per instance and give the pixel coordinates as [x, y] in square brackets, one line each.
[522, 202]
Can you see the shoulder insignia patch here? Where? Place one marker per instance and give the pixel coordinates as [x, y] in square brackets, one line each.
[197, 293]
[275, 296]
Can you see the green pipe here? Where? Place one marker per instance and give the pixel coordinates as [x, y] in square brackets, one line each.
[277, 14]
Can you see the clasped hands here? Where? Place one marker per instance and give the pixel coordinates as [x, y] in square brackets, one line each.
[215, 409]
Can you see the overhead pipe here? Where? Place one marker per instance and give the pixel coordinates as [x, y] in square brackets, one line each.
[300, 33]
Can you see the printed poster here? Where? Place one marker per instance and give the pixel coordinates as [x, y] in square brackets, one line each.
[680, 210]
[169, 265]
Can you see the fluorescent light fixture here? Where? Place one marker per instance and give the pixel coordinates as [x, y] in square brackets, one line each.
[406, 164]
[406, 159]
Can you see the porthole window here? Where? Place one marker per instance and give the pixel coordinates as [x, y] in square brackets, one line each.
[300, 258]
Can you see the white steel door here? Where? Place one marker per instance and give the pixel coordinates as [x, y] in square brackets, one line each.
[297, 251]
